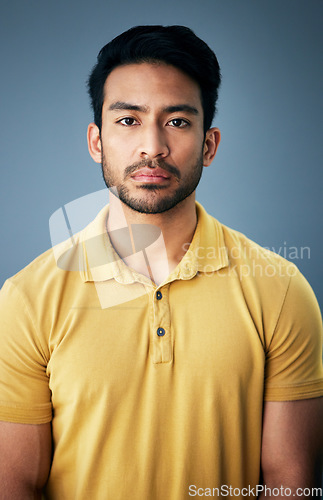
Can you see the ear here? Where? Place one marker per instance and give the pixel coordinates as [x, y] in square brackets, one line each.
[94, 142]
[211, 143]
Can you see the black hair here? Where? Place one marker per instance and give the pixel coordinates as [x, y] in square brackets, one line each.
[174, 45]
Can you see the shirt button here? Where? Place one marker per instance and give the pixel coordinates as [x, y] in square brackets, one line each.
[160, 332]
[159, 295]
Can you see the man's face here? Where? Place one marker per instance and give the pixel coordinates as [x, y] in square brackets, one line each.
[152, 136]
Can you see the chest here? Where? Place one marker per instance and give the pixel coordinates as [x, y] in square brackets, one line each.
[177, 334]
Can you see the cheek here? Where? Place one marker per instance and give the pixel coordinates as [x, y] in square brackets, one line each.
[119, 149]
[188, 150]
[114, 154]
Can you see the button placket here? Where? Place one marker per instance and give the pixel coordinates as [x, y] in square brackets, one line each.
[161, 335]
[160, 330]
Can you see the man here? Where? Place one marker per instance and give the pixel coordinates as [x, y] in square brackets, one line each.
[158, 355]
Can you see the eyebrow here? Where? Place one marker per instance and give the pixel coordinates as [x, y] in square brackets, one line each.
[120, 105]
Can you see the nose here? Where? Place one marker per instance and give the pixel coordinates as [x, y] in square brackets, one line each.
[153, 143]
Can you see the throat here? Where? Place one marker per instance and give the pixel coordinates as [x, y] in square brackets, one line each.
[152, 245]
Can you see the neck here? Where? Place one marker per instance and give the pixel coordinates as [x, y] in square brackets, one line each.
[158, 241]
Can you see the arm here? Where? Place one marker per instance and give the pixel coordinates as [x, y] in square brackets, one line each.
[292, 442]
[25, 460]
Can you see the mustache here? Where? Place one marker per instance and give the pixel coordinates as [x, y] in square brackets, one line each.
[152, 164]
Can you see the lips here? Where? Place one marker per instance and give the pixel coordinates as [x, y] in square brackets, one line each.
[151, 172]
[150, 175]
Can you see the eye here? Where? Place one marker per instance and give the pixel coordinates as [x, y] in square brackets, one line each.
[178, 123]
[128, 121]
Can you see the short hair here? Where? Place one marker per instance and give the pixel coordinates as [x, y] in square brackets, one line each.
[174, 45]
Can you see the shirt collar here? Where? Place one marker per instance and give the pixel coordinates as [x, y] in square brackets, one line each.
[207, 251]
[100, 262]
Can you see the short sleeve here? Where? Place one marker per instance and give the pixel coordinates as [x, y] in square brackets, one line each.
[294, 356]
[24, 387]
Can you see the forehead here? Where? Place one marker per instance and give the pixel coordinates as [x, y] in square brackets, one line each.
[154, 82]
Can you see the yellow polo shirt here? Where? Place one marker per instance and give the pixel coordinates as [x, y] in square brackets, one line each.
[154, 389]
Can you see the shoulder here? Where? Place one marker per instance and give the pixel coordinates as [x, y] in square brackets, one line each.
[274, 275]
[44, 279]
[62, 261]
[241, 249]
[261, 266]
[277, 295]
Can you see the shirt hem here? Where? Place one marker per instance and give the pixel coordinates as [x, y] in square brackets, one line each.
[19, 415]
[308, 390]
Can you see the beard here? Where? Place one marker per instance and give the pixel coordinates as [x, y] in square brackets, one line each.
[154, 202]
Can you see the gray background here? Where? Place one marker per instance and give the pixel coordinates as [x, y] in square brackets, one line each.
[266, 179]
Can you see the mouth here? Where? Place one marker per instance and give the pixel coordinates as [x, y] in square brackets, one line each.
[151, 175]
